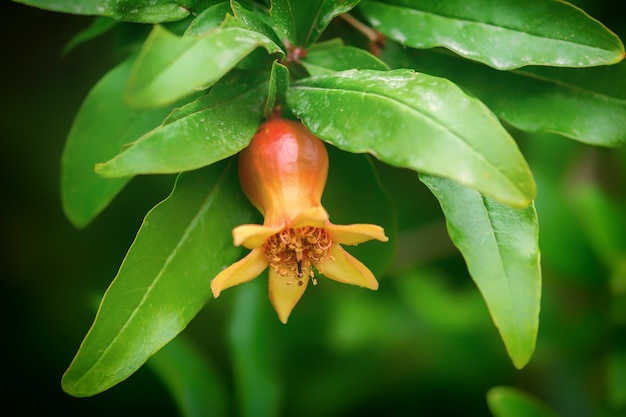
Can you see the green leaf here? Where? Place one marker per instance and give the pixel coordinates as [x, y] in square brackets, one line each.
[164, 279]
[192, 381]
[420, 122]
[354, 194]
[209, 129]
[585, 104]
[499, 33]
[279, 82]
[326, 61]
[103, 124]
[210, 18]
[254, 20]
[602, 220]
[170, 67]
[500, 247]
[141, 11]
[98, 27]
[253, 340]
[303, 22]
[512, 402]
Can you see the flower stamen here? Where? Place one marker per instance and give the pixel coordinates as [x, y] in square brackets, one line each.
[294, 252]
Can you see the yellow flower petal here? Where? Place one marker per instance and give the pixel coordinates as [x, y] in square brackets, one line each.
[353, 234]
[314, 217]
[246, 269]
[285, 292]
[343, 267]
[253, 235]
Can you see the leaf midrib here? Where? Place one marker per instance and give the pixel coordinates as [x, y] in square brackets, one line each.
[435, 121]
[491, 25]
[205, 205]
[494, 233]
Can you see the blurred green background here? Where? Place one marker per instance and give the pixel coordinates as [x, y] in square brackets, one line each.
[422, 345]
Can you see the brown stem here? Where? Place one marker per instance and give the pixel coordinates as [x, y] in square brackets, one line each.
[377, 39]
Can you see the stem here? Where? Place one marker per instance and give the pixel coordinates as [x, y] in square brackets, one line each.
[373, 35]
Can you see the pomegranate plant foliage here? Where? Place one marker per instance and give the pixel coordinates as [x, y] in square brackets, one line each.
[506, 36]
[105, 119]
[209, 72]
[499, 246]
[511, 402]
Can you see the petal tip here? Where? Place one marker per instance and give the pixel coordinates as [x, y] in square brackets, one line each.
[283, 319]
[284, 295]
[216, 291]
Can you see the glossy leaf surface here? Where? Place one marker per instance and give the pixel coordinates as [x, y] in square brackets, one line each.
[501, 249]
[141, 11]
[209, 129]
[256, 19]
[103, 124]
[210, 18]
[303, 22]
[164, 279]
[499, 33]
[585, 104]
[170, 67]
[420, 122]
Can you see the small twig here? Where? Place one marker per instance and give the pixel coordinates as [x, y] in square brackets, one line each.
[370, 33]
[377, 39]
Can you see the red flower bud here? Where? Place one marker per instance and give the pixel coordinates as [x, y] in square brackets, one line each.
[283, 173]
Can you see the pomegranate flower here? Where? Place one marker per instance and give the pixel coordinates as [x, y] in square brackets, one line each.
[283, 173]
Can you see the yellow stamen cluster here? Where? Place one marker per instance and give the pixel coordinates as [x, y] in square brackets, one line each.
[294, 252]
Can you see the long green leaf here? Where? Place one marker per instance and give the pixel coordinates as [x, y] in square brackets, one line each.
[303, 22]
[210, 129]
[416, 121]
[141, 11]
[585, 104]
[103, 124]
[501, 33]
[501, 250]
[164, 279]
[512, 402]
[191, 379]
[170, 67]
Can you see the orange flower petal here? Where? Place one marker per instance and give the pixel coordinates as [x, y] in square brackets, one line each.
[314, 217]
[285, 293]
[253, 235]
[345, 268]
[244, 270]
[353, 234]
